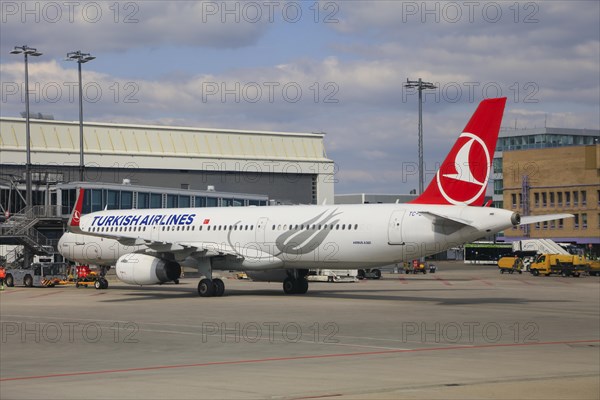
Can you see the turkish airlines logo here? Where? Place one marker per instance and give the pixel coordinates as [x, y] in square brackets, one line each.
[465, 180]
[76, 217]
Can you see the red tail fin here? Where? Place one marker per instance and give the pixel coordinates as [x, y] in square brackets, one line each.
[73, 224]
[463, 176]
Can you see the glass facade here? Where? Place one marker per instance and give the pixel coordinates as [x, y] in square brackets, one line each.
[100, 199]
[542, 141]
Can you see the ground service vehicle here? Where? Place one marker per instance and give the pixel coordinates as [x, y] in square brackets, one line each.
[594, 267]
[485, 252]
[563, 264]
[369, 274]
[85, 276]
[39, 274]
[415, 267]
[510, 265]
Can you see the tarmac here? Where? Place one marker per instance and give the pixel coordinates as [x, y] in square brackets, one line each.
[465, 332]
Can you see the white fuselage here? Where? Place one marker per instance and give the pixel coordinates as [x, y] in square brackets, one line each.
[290, 237]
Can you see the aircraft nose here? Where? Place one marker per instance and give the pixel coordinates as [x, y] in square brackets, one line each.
[60, 245]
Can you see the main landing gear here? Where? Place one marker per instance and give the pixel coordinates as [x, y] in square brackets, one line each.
[296, 282]
[211, 287]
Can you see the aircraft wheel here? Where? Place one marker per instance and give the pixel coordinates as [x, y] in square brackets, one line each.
[289, 286]
[10, 282]
[218, 287]
[104, 282]
[206, 288]
[376, 273]
[301, 286]
[98, 284]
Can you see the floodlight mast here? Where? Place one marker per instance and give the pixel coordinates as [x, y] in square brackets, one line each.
[27, 51]
[420, 85]
[80, 58]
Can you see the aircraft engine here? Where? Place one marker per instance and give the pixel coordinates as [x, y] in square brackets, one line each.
[142, 269]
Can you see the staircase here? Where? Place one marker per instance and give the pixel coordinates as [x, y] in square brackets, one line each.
[20, 229]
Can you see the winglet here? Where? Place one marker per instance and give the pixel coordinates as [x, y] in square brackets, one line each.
[463, 176]
[73, 224]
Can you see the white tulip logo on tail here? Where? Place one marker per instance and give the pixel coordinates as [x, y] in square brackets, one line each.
[462, 185]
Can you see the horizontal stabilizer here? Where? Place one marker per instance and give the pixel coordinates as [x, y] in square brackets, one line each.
[437, 218]
[532, 219]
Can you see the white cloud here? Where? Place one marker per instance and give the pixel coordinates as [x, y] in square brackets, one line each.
[118, 27]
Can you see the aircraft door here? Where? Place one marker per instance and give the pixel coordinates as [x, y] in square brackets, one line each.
[395, 228]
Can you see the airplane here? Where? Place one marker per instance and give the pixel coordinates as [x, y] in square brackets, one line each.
[282, 243]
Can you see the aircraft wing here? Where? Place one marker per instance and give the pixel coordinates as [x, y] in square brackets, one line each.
[532, 219]
[180, 249]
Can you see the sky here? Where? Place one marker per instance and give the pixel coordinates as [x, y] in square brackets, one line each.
[337, 67]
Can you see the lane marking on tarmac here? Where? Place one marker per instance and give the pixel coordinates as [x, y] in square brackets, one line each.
[10, 291]
[482, 281]
[45, 294]
[296, 358]
[445, 282]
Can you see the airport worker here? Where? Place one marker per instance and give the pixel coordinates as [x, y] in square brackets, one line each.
[2, 276]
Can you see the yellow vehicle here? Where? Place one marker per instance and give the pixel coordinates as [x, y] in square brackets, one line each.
[563, 264]
[510, 265]
[594, 267]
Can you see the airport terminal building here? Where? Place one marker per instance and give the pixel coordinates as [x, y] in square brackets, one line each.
[290, 168]
[555, 180]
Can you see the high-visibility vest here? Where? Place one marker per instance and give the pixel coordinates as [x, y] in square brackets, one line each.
[2, 273]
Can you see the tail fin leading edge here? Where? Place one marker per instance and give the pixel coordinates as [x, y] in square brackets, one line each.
[463, 176]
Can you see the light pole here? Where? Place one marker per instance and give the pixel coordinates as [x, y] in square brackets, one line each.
[27, 51]
[81, 58]
[420, 85]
